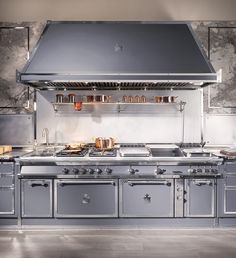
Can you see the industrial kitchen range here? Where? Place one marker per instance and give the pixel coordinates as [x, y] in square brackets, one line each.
[139, 87]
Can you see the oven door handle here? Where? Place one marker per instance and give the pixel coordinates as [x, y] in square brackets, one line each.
[202, 182]
[65, 183]
[37, 184]
[133, 183]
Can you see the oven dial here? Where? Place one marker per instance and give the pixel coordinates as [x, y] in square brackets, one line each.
[159, 171]
[98, 170]
[90, 171]
[108, 170]
[75, 170]
[65, 171]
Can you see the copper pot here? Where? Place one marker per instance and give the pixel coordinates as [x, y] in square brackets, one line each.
[104, 143]
[169, 99]
[158, 99]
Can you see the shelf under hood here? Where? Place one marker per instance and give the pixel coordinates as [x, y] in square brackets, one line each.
[87, 55]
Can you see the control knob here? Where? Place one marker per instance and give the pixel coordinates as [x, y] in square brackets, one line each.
[192, 170]
[65, 171]
[160, 171]
[98, 171]
[90, 170]
[131, 170]
[214, 171]
[82, 170]
[108, 170]
[75, 170]
[199, 170]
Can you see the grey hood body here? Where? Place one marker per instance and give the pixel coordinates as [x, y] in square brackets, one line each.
[89, 54]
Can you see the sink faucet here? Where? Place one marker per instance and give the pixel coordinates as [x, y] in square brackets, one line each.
[45, 133]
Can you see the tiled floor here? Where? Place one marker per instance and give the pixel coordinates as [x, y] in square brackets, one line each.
[177, 243]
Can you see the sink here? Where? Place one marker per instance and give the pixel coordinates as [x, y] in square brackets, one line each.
[166, 152]
[199, 154]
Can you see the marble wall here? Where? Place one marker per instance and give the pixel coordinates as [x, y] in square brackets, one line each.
[219, 98]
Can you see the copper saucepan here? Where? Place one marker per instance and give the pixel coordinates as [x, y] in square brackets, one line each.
[104, 143]
[165, 99]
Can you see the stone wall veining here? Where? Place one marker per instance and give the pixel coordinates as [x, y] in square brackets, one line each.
[13, 53]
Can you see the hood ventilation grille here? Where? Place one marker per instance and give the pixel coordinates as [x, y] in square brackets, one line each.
[113, 86]
[117, 55]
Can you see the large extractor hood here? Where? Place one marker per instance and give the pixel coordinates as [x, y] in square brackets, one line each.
[124, 55]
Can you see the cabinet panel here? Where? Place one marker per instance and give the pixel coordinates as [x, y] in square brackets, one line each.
[227, 196]
[152, 198]
[36, 197]
[7, 202]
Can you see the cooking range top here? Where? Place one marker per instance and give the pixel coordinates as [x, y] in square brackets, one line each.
[92, 151]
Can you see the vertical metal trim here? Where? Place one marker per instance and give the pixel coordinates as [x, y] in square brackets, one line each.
[35, 116]
[202, 115]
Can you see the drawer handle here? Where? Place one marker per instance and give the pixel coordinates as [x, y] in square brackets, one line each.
[133, 183]
[200, 183]
[39, 184]
[147, 197]
[88, 183]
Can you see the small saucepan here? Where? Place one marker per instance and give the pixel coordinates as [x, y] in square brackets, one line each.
[104, 143]
[169, 99]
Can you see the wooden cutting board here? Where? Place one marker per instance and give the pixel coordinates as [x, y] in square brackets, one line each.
[5, 149]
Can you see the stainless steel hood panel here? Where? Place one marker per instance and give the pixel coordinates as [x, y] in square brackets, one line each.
[117, 52]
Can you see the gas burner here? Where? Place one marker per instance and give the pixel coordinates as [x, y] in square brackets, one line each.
[94, 152]
[72, 153]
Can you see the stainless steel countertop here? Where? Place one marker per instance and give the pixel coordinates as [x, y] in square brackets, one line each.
[118, 160]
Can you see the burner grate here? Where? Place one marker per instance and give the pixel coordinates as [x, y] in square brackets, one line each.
[75, 153]
[94, 152]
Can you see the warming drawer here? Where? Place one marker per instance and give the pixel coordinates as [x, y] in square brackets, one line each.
[146, 198]
[86, 198]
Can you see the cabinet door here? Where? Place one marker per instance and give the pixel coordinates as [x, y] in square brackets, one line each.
[36, 198]
[149, 198]
[7, 202]
[200, 197]
[227, 196]
[86, 198]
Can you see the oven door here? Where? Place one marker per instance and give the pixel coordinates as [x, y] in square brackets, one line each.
[200, 197]
[86, 198]
[146, 198]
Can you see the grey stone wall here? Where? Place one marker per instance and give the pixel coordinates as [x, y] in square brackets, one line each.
[219, 98]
